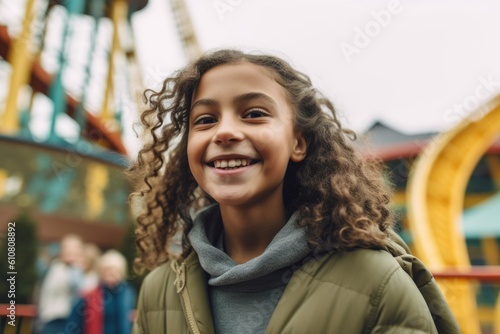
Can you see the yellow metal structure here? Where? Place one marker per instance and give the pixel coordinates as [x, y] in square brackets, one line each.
[20, 58]
[185, 29]
[436, 194]
[497, 316]
[494, 167]
[118, 16]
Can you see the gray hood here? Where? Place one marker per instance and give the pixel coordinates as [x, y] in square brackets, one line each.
[287, 247]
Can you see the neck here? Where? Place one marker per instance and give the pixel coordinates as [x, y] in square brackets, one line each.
[249, 230]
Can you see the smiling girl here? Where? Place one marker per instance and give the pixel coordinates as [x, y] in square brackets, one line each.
[284, 228]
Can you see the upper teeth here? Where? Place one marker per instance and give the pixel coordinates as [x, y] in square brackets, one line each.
[231, 163]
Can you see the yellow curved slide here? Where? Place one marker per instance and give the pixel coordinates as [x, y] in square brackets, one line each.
[436, 191]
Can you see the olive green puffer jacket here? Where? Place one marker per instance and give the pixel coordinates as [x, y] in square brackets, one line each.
[361, 291]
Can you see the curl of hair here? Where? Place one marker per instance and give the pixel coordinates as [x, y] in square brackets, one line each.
[341, 198]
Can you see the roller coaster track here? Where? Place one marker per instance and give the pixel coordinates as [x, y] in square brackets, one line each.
[40, 81]
[436, 192]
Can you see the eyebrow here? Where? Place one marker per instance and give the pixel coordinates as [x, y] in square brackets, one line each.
[253, 96]
[204, 102]
[237, 100]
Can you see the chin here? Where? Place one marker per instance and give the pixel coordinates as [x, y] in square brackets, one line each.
[229, 196]
[229, 201]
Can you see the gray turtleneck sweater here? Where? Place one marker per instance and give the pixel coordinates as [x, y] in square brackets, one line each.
[244, 296]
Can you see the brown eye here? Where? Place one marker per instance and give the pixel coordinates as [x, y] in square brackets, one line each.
[255, 113]
[205, 120]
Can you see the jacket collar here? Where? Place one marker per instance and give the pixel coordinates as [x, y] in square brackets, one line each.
[193, 280]
[191, 283]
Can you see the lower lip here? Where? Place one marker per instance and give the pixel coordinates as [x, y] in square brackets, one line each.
[227, 172]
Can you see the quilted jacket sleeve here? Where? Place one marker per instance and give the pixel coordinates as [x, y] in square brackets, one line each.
[400, 307]
[408, 300]
[443, 318]
[138, 327]
[157, 291]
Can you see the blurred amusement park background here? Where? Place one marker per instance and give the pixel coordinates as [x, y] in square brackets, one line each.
[67, 115]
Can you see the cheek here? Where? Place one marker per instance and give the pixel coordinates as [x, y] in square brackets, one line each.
[190, 155]
[264, 137]
[195, 153]
[192, 152]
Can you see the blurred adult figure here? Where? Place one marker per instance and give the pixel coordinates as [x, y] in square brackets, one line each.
[60, 287]
[107, 308]
[90, 266]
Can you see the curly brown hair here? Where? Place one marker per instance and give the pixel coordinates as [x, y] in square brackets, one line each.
[341, 198]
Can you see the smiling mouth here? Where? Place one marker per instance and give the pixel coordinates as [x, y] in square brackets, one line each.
[232, 163]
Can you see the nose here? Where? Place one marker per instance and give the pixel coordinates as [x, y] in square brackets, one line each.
[228, 130]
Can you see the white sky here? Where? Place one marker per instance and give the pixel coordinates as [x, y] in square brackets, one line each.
[429, 58]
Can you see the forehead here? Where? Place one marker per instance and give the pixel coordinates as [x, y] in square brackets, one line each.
[111, 262]
[228, 79]
[71, 243]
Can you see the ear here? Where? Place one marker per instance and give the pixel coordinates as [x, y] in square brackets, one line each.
[299, 149]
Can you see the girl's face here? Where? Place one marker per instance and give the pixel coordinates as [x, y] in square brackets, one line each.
[241, 135]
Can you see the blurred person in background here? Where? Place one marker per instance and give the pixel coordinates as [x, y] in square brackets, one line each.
[107, 308]
[90, 266]
[60, 287]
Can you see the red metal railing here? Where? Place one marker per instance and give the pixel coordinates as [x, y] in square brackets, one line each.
[480, 273]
